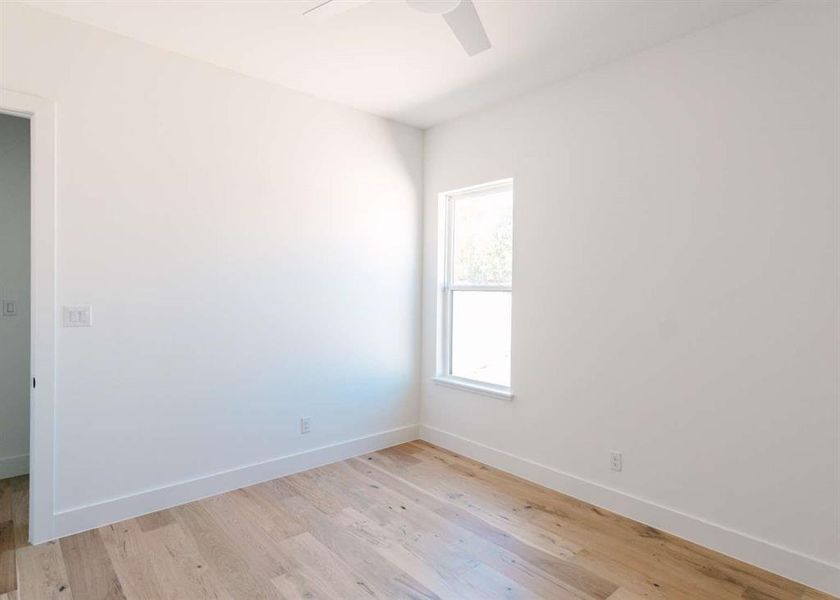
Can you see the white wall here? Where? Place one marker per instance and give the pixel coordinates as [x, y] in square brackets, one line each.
[675, 284]
[251, 255]
[14, 286]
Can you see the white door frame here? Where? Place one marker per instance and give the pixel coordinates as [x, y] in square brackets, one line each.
[41, 115]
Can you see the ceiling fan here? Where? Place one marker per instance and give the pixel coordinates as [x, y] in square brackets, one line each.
[460, 15]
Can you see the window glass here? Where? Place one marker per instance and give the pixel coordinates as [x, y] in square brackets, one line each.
[482, 238]
[481, 336]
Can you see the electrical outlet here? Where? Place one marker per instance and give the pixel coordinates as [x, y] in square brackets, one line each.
[615, 461]
[9, 308]
[306, 424]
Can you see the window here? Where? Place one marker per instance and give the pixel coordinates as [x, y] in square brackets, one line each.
[474, 346]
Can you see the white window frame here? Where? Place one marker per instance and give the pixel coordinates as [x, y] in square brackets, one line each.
[448, 287]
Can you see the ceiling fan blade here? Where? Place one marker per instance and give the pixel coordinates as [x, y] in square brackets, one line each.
[324, 9]
[466, 25]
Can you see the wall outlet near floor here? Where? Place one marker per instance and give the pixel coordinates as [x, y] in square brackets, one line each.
[615, 461]
[306, 424]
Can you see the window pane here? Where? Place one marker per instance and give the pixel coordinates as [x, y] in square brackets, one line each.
[482, 237]
[481, 336]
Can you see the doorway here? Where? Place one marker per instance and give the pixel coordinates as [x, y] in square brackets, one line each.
[28, 301]
[14, 338]
[14, 296]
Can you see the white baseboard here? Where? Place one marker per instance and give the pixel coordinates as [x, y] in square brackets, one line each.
[90, 516]
[788, 563]
[12, 466]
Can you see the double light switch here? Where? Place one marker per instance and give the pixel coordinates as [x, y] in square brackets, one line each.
[76, 316]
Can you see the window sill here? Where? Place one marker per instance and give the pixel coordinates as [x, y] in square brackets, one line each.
[475, 387]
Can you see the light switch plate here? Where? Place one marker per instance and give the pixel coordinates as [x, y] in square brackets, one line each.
[9, 308]
[77, 316]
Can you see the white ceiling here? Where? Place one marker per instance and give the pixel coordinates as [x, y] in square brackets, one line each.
[388, 59]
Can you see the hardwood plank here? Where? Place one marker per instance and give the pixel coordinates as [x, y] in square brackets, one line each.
[575, 575]
[8, 570]
[306, 484]
[5, 500]
[401, 457]
[624, 594]
[546, 540]
[439, 575]
[515, 567]
[20, 509]
[295, 585]
[220, 552]
[122, 540]
[333, 576]
[155, 520]
[408, 448]
[127, 549]
[274, 517]
[89, 568]
[250, 535]
[42, 573]
[454, 550]
[640, 582]
[489, 583]
[530, 565]
[179, 567]
[378, 575]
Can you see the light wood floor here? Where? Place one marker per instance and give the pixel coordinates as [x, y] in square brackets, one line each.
[412, 521]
